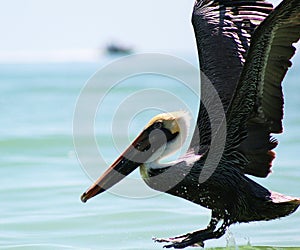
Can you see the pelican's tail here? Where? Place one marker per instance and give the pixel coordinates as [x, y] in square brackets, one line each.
[282, 199]
[263, 204]
[278, 198]
[282, 205]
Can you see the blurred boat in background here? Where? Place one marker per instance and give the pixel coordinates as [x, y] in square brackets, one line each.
[116, 49]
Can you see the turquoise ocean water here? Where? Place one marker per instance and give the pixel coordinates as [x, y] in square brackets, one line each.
[42, 180]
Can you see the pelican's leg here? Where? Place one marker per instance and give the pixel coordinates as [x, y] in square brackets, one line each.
[212, 225]
[197, 238]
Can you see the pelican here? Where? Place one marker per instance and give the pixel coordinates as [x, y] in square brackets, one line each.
[244, 48]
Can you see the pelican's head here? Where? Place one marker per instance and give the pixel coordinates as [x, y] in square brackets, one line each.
[163, 135]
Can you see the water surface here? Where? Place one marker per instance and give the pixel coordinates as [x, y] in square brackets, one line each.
[42, 180]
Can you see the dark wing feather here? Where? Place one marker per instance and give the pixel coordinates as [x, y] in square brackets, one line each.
[257, 108]
[223, 30]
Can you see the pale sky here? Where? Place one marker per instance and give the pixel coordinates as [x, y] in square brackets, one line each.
[56, 25]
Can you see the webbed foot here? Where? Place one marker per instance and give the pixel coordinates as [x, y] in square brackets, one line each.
[197, 238]
[184, 244]
[171, 239]
[179, 242]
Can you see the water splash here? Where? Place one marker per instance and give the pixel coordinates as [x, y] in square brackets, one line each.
[230, 241]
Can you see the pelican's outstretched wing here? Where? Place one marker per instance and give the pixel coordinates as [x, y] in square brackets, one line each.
[258, 101]
[223, 30]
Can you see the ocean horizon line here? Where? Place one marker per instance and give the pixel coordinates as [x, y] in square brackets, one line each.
[51, 56]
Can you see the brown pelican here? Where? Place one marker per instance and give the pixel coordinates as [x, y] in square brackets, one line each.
[245, 47]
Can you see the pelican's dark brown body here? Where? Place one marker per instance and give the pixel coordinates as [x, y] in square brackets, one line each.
[227, 192]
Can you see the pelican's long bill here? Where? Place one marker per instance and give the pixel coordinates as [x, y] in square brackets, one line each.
[149, 142]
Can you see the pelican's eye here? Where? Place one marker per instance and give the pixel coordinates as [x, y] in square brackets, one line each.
[157, 125]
